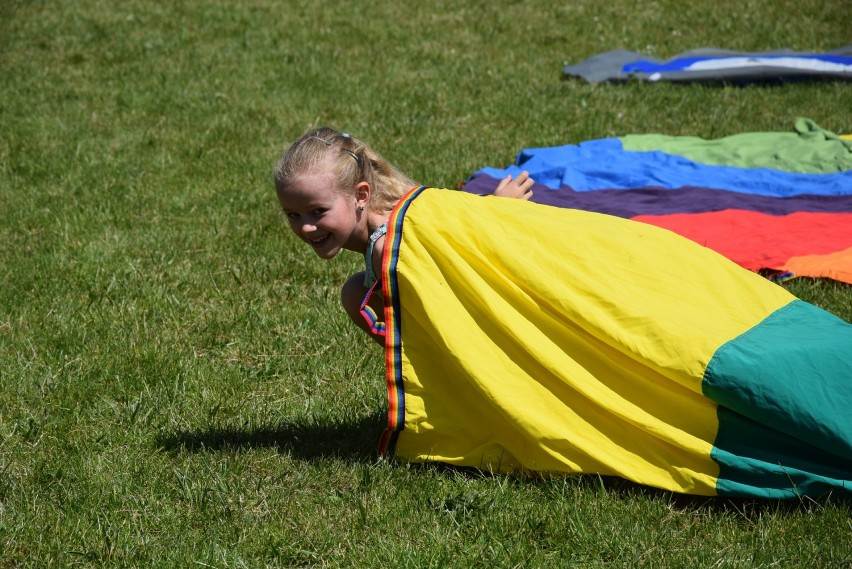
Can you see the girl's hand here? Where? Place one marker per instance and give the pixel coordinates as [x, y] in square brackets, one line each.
[520, 187]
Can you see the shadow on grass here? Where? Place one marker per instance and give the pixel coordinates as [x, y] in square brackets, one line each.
[355, 441]
[607, 487]
[744, 507]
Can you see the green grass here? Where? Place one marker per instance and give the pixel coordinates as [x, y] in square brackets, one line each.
[177, 385]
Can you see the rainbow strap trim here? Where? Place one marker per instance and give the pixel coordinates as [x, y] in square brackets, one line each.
[393, 315]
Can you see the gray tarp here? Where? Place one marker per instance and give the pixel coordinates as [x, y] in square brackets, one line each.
[716, 65]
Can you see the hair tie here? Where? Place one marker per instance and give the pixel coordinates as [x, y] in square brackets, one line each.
[352, 154]
[331, 142]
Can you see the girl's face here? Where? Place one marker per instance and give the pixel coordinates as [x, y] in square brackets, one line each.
[321, 216]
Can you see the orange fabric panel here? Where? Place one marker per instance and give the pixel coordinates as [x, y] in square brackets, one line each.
[837, 266]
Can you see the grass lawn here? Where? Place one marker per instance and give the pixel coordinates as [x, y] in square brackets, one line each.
[178, 387]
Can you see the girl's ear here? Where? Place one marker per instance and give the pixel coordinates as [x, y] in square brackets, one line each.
[362, 194]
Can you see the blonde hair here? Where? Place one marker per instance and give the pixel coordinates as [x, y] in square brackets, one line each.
[351, 160]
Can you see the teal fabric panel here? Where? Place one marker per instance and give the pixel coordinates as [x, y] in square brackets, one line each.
[784, 390]
[758, 461]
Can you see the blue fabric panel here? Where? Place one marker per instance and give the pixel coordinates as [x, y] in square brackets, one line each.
[604, 164]
[682, 64]
[658, 201]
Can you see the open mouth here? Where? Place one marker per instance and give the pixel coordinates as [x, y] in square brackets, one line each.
[318, 241]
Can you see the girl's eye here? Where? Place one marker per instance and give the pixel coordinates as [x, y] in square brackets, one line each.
[319, 211]
[292, 215]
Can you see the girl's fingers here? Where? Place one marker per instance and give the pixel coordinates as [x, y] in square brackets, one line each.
[503, 183]
[518, 187]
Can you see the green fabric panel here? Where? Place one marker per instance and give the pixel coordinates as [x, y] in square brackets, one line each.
[784, 389]
[810, 149]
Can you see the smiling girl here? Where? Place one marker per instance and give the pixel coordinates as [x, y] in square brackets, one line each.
[527, 338]
[337, 193]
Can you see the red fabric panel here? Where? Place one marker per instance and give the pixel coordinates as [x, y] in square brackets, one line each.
[760, 241]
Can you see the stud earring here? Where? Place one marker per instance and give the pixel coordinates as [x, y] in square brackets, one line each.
[360, 208]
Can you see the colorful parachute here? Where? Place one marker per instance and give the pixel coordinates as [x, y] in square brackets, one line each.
[779, 202]
[525, 338]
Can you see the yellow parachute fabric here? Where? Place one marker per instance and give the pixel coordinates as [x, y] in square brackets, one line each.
[523, 337]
